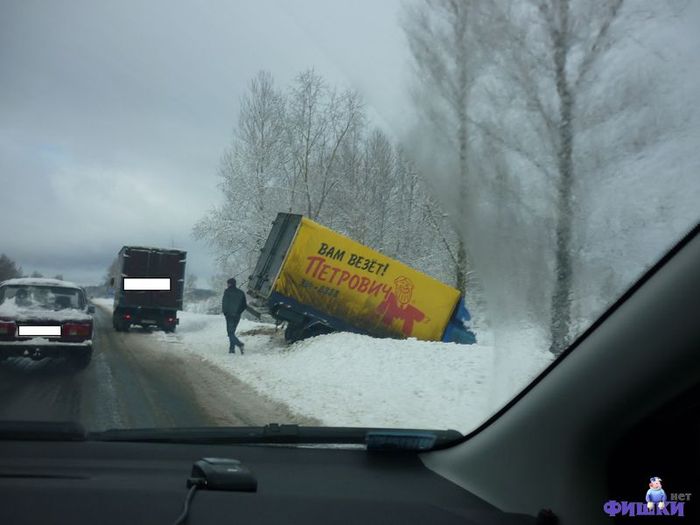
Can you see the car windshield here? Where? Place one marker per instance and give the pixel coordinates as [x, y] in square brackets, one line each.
[387, 214]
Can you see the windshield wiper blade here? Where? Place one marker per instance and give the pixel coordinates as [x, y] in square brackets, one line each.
[42, 431]
[270, 433]
[375, 438]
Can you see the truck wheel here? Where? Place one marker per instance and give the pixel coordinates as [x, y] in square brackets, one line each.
[293, 333]
[168, 329]
[317, 329]
[81, 359]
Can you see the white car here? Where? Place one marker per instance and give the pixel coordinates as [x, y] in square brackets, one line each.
[45, 318]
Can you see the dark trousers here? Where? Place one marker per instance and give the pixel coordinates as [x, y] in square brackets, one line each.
[231, 325]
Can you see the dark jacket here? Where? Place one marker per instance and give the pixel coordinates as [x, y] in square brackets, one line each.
[233, 303]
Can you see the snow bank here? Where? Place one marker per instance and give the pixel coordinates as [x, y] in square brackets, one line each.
[103, 302]
[354, 380]
[519, 355]
[350, 379]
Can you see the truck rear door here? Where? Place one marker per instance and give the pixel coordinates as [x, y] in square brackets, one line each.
[141, 263]
[171, 264]
[272, 256]
[135, 265]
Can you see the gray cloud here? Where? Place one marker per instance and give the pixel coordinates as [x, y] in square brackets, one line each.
[114, 116]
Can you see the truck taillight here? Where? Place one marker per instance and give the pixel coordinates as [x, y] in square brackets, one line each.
[127, 316]
[77, 329]
[7, 327]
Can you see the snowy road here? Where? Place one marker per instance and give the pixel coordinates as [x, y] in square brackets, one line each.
[153, 379]
[133, 381]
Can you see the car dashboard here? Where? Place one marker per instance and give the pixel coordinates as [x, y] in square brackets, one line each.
[53, 482]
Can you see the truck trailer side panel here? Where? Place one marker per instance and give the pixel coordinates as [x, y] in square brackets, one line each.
[341, 278]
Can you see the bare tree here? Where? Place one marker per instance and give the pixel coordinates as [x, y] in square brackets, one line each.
[440, 39]
[309, 150]
[261, 148]
[549, 50]
[9, 269]
[111, 272]
[365, 192]
[251, 174]
[318, 121]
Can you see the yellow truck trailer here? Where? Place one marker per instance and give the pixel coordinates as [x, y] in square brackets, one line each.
[319, 281]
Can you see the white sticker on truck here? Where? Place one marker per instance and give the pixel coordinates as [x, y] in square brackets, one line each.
[39, 330]
[138, 284]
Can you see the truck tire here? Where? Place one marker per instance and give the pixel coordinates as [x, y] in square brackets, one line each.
[121, 326]
[293, 333]
[80, 359]
[317, 329]
[168, 329]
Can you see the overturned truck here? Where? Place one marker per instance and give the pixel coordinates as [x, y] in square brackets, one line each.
[319, 281]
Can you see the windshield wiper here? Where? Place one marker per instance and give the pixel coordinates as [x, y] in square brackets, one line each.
[373, 438]
[42, 431]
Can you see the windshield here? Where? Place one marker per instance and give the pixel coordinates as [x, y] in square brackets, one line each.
[387, 214]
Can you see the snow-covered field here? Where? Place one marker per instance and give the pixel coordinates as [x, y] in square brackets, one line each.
[354, 380]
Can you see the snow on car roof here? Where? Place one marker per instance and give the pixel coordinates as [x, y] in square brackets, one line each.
[36, 281]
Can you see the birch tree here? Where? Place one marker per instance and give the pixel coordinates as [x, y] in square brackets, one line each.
[251, 173]
[440, 40]
[548, 51]
[318, 122]
[309, 150]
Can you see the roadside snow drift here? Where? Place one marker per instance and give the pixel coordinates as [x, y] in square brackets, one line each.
[347, 379]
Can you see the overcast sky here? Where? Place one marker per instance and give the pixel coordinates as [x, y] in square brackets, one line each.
[114, 117]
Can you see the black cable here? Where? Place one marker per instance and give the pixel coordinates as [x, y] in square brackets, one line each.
[190, 494]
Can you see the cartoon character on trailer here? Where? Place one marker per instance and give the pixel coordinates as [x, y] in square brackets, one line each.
[655, 494]
[396, 306]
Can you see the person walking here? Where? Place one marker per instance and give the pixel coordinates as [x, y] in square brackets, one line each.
[233, 305]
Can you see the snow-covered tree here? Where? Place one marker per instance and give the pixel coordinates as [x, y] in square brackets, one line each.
[319, 119]
[445, 57]
[552, 101]
[251, 179]
[9, 269]
[310, 150]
